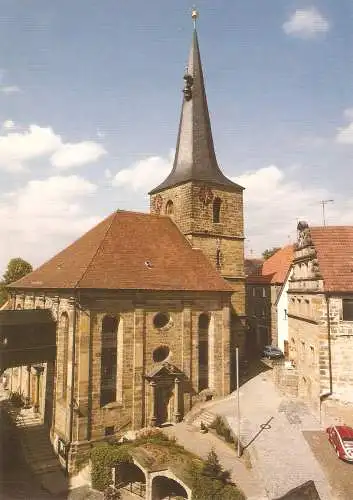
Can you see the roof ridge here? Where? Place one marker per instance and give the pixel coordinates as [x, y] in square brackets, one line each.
[97, 250]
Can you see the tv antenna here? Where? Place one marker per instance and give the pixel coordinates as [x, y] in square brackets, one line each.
[324, 203]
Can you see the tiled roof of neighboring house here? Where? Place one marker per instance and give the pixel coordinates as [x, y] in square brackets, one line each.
[274, 270]
[334, 246]
[252, 266]
[128, 250]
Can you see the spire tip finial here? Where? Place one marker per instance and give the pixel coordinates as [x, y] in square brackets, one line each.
[194, 15]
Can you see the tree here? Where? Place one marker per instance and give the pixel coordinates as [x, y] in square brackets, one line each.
[212, 467]
[269, 252]
[16, 269]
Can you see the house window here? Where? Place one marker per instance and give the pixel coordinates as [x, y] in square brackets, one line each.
[169, 208]
[347, 309]
[253, 292]
[109, 359]
[312, 355]
[303, 350]
[109, 431]
[217, 210]
[307, 307]
[285, 314]
[264, 292]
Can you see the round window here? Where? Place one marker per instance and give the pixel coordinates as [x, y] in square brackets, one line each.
[160, 354]
[161, 319]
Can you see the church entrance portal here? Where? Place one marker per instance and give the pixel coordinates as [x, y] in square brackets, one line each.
[166, 394]
[165, 403]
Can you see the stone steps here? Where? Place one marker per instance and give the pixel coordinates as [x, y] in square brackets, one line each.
[207, 417]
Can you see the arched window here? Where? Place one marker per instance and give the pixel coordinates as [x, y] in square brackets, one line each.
[169, 208]
[217, 209]
[63, 362]
[203, 325]
[108, 392]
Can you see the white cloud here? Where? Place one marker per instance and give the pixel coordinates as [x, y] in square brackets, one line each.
[19, 148]
[273, 204]
[144, 174]
[345, 134]
[9, 89]
[74, 155]
[41, 218]
[8, 125]
[306, 23]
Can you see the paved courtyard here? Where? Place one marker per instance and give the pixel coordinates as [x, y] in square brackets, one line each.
[272, 429]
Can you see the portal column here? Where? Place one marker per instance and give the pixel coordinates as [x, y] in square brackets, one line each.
[177, 415]
[153, 421]
[39, 370]
[28, 397]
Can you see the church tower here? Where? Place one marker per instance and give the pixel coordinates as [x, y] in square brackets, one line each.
[206, 206]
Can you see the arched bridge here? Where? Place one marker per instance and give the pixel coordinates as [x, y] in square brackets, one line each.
[27, 336]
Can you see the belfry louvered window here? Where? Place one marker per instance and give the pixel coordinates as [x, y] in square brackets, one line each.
[217, 210]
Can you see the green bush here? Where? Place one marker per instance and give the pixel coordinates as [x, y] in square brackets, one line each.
[104, 457]
[210, 481]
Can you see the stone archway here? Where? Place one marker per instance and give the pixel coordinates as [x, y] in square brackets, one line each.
[166, 488]
[131, 478]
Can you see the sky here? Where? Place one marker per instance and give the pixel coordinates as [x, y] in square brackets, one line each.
[90, 98]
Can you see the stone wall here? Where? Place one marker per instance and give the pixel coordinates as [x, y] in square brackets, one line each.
[222, 241]
[79, 350]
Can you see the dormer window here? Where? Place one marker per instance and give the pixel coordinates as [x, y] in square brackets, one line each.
[217, 210]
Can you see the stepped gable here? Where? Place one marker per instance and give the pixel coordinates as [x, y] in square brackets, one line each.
[125, 251]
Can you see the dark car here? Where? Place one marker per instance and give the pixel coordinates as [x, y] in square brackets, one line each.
[271, 352]
[341, 438]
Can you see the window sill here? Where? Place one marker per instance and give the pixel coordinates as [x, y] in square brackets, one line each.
[113, 405]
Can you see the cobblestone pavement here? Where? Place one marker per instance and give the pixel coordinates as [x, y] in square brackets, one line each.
[339, 473]
[271, 428]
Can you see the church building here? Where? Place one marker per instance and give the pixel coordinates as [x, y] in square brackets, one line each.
[148, 307]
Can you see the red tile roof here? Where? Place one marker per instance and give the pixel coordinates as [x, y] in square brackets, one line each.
[334, 246]
[252, 266]
[113, 255]
[274, 270]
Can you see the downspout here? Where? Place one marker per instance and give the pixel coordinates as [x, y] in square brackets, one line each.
[73, 365]
[328, 393]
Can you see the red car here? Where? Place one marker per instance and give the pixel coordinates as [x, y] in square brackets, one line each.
[341, 438]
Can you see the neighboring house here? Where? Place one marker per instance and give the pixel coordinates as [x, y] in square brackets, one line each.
[252, 266]
[266, 300]
[320, 317]
[281, 306]
[149, 307]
